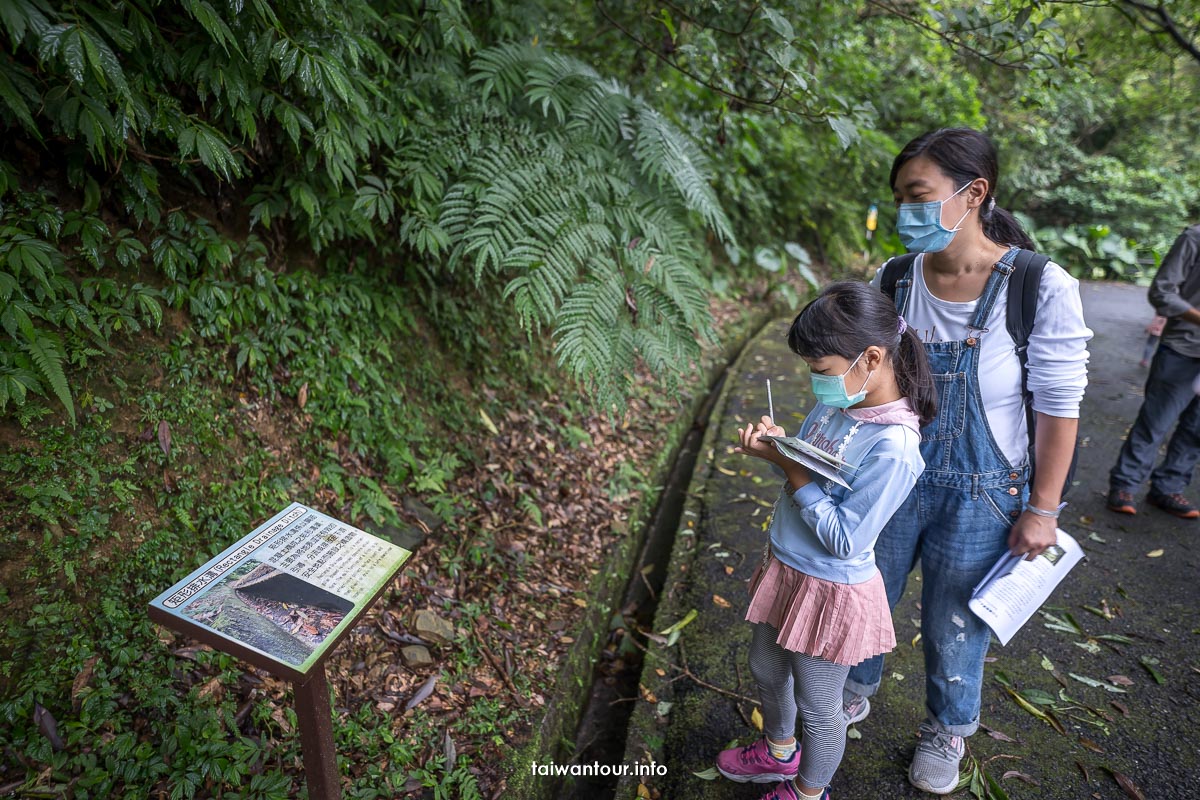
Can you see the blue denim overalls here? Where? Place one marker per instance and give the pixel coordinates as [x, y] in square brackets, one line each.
[956, 522]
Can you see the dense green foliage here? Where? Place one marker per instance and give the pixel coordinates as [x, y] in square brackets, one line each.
[374, 219]
[536, 152]
[329, 128]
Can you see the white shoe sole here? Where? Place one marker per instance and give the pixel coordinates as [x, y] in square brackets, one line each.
[861, 715]
[925, 787]
[763, 777]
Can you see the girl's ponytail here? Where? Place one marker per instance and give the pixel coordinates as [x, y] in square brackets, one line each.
[913, 377]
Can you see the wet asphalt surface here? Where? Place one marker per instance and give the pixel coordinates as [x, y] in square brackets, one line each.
[1150, 733]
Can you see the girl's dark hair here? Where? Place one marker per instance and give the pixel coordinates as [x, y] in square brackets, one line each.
[847, 318]
[964, 154]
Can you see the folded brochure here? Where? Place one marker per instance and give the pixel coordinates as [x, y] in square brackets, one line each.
[816, 459]
[1015, 587]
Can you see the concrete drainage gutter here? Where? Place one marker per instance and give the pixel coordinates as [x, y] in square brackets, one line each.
[615, 587]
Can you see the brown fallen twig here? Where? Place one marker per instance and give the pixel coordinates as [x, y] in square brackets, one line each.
[483, 648]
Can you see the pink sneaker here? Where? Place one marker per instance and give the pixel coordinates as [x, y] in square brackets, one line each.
[755, 764]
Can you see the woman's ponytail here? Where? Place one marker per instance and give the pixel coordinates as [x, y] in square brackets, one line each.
[1002, 228]
[913, 377]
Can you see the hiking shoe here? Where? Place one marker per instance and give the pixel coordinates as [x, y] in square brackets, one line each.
[1121, 502]
[787, 791]
[935, 764]
[857, 709]
[755, 764]
[1175, 504]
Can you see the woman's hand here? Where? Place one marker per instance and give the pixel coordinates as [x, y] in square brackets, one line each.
[751, 443]
[1031, 534]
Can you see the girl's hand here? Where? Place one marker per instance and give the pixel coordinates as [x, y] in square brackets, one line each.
[752, 445]
[1031, 534]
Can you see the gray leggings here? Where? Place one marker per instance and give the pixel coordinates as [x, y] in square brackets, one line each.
[787, 680]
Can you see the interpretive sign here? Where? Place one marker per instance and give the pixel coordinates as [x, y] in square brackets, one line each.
[282, 596]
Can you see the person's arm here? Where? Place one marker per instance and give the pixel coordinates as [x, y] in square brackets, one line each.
[1057, 366]
[1164, 293]
[848, 528]
[1054, 446]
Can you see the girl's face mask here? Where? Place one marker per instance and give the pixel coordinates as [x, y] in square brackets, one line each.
[831, 389]
[920, 226]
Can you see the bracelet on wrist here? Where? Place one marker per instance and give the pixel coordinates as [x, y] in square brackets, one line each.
[1041, 512]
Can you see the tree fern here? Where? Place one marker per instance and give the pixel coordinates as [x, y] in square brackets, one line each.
[578, 196]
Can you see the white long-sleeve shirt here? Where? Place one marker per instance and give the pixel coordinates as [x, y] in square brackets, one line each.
[1057, 352]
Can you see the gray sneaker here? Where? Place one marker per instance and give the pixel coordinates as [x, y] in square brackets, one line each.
[856, 709]
[935, 764]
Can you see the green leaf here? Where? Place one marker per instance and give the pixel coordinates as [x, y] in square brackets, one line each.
[1097, 683]
[768, 259]
[681, 624]
[45, 350]
[1150, 662]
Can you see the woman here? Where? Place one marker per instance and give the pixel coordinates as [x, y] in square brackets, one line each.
[974, 500]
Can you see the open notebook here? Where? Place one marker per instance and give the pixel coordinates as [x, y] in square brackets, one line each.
[824, 464]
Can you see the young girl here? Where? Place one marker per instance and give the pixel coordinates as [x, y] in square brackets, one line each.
[817, 603]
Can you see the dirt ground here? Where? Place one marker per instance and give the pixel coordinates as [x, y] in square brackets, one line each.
[1138, 581]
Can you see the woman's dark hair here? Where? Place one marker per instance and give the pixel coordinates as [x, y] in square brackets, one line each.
[964, 154]
[847, 318]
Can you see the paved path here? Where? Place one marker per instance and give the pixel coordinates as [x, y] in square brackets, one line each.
[1155, 602]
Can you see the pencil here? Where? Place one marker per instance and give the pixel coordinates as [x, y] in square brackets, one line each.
[770, 403]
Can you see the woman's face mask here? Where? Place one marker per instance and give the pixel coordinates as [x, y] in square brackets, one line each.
[831, 389]
[920, 226]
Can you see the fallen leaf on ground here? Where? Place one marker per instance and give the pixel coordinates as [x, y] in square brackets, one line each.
[164, 437]
[1120, 680]
[422, 693]
[995, 734]
[709, 774]
[688, 617]
[756, 719]
[1096, 683]
[1154, 553]
[1128, 786]
[721, 601]
[1149, 662]
[1012, 773]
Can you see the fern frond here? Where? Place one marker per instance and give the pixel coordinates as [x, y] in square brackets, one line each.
[664, 152]
[46, 352]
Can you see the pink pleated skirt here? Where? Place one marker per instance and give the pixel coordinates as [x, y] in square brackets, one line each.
[839, 622]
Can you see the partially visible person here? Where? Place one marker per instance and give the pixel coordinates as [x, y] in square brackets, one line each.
[1169, 396]
[1153, 335]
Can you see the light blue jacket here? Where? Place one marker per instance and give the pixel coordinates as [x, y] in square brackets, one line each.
[832, 535]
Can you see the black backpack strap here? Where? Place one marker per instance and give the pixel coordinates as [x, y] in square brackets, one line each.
[893, 270]
[1023, 285]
